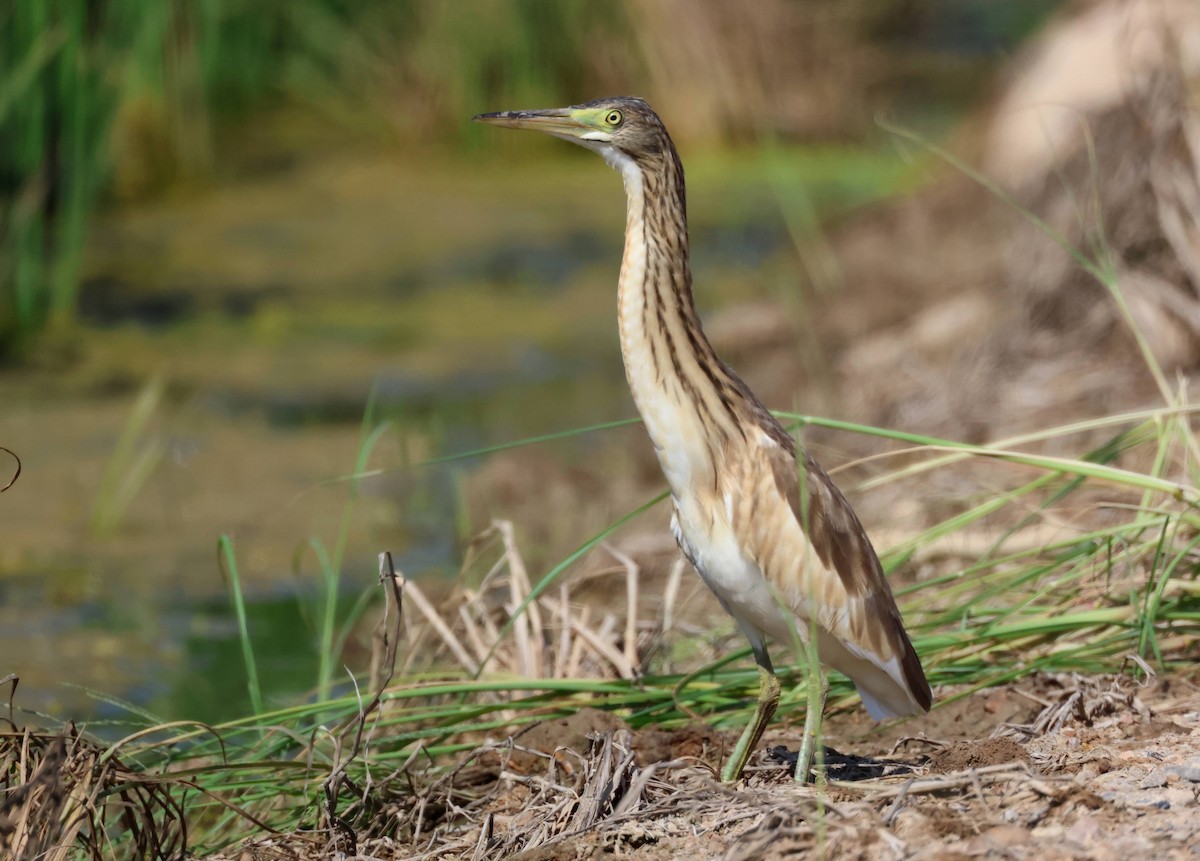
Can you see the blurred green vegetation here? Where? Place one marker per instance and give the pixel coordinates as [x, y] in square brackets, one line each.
[121, 98]
[84, 85]
[124, 96]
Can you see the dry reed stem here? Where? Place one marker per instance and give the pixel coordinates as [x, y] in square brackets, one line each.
[632, 573]
[495, 627]
[671, 594]
[417, 597]
[564, 643]
[532, 666]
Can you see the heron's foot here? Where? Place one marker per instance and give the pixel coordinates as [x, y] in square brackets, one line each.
[768, 699]
[790, 759]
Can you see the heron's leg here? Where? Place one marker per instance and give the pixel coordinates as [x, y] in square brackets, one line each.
[768, 699]
[812, 725]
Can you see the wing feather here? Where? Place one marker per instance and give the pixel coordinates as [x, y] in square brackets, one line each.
[813, 549]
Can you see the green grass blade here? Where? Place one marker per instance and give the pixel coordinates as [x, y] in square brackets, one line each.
[228, 564]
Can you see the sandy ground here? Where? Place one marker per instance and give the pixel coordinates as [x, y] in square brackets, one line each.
[1056, 767]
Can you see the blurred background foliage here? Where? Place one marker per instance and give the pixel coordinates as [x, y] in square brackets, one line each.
[111, 100]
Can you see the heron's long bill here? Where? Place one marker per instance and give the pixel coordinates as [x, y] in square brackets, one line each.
[555, 121]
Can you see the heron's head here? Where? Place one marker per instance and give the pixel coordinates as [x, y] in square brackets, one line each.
[620, 129]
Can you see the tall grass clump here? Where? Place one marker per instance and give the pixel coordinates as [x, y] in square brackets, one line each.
[57, 101]
[85, 86]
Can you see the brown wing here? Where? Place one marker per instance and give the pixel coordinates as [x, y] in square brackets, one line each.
[844, 585]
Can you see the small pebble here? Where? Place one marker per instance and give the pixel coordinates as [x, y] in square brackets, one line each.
[1155, 779]
[1187, 772]
[1145, 800]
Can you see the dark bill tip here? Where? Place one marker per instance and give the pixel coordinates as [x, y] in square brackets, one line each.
[525, 119]
[496, 117]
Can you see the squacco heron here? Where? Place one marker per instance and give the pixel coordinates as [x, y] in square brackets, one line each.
[763, 525]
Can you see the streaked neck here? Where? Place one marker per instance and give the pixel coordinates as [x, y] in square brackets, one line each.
[685, 395]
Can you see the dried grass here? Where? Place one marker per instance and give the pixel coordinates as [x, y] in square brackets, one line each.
[1013, 329]
[503, 800]
[501, 627]
[1130, 196]
[62, 795]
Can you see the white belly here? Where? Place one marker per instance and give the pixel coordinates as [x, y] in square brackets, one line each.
[735, 579]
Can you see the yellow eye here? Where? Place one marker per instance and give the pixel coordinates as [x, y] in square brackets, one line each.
[613, 118]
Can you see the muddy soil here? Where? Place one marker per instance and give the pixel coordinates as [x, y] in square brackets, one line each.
[1058, 767]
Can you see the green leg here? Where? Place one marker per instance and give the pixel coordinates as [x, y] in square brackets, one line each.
[768, 699]
[812, 725]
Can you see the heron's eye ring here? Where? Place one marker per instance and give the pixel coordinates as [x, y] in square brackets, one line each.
[613, 118]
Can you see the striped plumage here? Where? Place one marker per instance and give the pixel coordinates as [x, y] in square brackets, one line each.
[776, 541]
